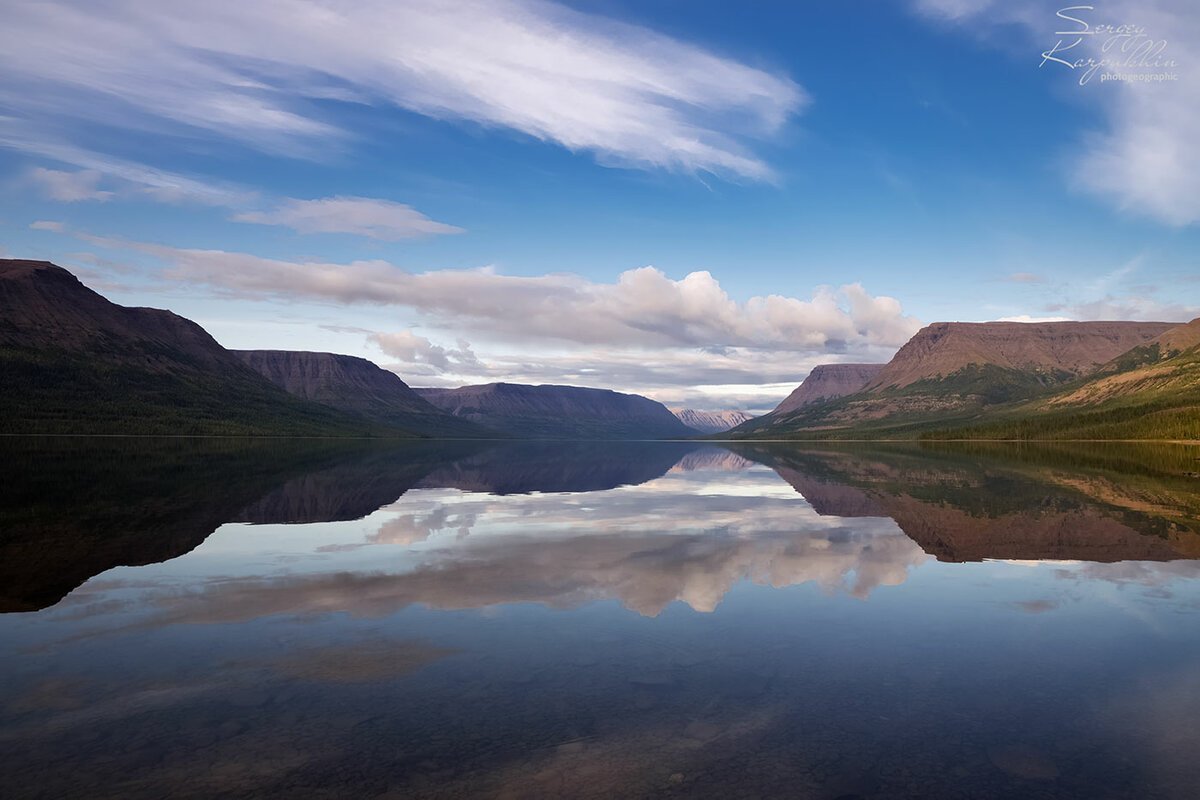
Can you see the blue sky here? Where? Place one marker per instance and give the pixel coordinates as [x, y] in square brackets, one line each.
[681, 199]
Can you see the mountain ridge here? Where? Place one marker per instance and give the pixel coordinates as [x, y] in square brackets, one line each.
[548, 411]
[75, 362]
[358, 386]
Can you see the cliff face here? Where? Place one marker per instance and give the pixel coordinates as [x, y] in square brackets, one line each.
[559, 412]
[828, 382]
[357, 386]
[1054, 350]
[711, 421]
[73, 362]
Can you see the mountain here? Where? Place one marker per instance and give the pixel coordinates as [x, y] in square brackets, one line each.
[711, 421]
[73, 362]
[961, 372]
[1150, 392]
[560, 412]
[357, 386]
[1015, 353]
[829, 382]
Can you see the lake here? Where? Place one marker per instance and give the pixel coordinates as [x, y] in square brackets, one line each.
[303, 619]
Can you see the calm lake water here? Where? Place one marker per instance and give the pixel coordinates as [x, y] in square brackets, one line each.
[215, 619]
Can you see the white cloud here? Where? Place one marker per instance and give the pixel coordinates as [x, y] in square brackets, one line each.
[69, 187]
[364, 216]
[260, 72]
[1144, 160]
[1025, 277]
[644, 307]
[48, 225]
[1030, 318]
[409, 348]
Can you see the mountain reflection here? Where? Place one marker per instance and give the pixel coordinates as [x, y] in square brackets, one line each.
[474, 525]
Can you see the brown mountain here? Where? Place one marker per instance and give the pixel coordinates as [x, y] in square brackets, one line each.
[829, 382]
[357, 386]
[1050, 351]
[1179, 339]
[1150, 392]
[73, 362]
[954, 373]
[560, 412]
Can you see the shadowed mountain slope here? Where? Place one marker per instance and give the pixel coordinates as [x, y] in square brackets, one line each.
[357, 386]
[560, 412]
[73, 362]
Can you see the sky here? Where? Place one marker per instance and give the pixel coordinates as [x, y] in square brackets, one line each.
[696, 201]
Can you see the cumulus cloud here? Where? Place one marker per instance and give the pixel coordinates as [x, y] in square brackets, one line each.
[644, 307]
[409, 348]
[69, 187]
[364, 216]
[264, 73]
[1143, 160]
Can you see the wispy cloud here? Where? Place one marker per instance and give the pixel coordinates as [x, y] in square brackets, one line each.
[69, 187]
[263, 73]
[1144, 159]
[364, 216]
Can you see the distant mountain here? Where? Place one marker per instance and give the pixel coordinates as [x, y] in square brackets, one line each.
[958, 372]
[711, 421]
[560, 412]
[829, 382]
[1151, 391]
[73, 362]
[357, 386]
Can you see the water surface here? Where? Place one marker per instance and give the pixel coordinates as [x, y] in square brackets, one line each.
[218, 619]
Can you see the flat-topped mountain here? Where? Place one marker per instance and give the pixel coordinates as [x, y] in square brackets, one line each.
[1149, 392]
[358, 386]
[560, 412]
[711, 421]
[829, 382]
[954, 372]
[73, 362]
[1053, 351]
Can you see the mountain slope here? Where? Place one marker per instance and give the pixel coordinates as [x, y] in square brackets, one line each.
[357, 386]
[559, 412]
[711, 421]
[1049, 352]
[73, 362]
[829, 382]
[960, 372]
[1152, 391]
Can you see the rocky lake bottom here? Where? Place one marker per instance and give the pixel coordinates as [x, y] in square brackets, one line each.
[599, 620]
